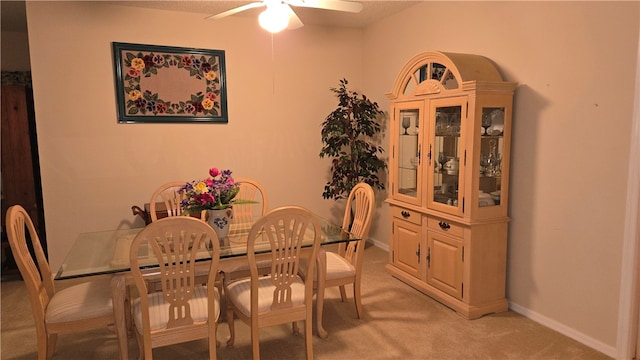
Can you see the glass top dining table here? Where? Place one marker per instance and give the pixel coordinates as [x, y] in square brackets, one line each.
[107, 252]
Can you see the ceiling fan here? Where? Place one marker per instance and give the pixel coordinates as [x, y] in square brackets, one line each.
[278, 14]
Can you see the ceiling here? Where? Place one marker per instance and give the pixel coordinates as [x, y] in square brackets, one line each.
[13, 16]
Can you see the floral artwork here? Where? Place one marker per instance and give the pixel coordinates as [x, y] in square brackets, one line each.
[168, 84]
[146, 65]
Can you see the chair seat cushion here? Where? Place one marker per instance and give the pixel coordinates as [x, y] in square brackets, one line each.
[240, 293]
[337, 267]
[159, 308]
[83, 301]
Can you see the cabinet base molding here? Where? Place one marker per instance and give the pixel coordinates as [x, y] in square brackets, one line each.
[463, 309]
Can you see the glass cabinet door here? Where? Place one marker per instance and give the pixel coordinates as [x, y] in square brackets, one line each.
[448, 121]
[491, 153]
[408, 153]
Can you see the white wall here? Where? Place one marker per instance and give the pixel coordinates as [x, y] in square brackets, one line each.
[575, 63]
[94, 169]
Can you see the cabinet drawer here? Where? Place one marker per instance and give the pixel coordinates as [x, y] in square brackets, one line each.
[445, 227]
[407, 215]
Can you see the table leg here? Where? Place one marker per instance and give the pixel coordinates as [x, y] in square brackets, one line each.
[118, 293]
[321, 270]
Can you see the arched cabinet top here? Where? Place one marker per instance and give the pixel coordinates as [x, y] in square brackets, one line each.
[434, 72]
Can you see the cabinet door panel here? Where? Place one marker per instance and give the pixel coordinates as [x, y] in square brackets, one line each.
[406, 153]
[490, 182]
[444, 264]
[406, 247]
[448, 122]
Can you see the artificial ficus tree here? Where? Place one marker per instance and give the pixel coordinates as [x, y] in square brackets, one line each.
[348, 137]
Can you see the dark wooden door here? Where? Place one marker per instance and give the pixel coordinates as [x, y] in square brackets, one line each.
[20, 166]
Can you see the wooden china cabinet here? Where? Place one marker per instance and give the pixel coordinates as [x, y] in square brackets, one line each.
[449, 180]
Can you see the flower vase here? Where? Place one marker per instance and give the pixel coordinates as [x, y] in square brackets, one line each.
[219, 220]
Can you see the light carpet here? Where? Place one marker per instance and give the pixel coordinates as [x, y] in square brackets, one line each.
[399, 323]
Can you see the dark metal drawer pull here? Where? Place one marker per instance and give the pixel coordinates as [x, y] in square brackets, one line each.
[444, 225]
[405, 214]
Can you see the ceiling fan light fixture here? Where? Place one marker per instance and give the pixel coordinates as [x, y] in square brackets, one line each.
[275, 18]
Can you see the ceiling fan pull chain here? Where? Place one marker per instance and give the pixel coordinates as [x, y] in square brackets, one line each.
[273, 66]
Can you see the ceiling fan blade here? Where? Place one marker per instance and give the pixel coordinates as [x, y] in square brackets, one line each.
[235, 10]
[348, 6]
[294, 20]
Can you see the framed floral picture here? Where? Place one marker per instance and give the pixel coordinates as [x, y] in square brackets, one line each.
[164, 84]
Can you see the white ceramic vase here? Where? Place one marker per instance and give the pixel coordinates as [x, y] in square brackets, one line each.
[219, 220]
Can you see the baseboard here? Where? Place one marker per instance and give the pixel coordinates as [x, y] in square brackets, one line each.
[543, 320]
[564, 330]
[376, 243]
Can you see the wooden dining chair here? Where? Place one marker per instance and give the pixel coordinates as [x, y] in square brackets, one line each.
[244, 214]
[344, 267]
[282, 296]
[184, 309]
[168, 195]
[76, 308]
